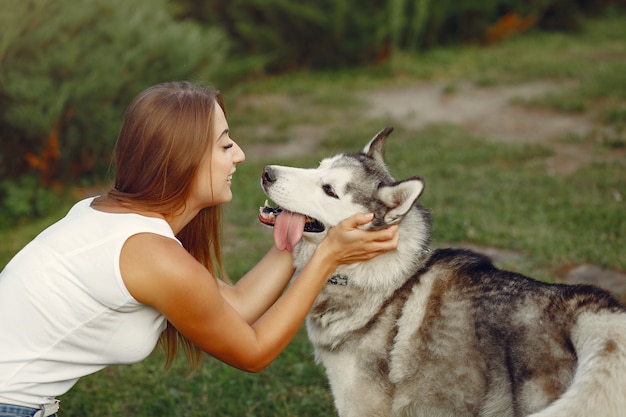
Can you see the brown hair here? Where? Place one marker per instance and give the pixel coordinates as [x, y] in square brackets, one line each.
[165, 134]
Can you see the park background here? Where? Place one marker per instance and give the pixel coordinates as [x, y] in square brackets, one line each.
[513, 111]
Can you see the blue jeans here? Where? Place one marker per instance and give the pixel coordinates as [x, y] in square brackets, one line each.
[8, 410]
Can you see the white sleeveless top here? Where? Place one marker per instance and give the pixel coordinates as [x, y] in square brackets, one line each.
[64, 309]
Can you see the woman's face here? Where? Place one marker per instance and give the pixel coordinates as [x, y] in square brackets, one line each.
[214, 176]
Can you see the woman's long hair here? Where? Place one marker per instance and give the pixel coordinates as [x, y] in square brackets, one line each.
[166, 132]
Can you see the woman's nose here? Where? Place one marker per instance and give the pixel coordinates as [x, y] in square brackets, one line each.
[240, 156]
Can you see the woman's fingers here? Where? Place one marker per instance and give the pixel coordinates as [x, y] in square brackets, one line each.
[351, 244]
[358, 219]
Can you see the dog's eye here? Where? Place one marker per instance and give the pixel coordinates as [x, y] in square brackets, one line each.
[328, 189]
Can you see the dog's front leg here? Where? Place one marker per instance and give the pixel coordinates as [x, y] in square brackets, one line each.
[356, 390]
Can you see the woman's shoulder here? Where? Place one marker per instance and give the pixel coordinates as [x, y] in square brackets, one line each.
[149, 262]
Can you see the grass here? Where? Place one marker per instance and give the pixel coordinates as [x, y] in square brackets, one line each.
[496, 194]
[291, 386]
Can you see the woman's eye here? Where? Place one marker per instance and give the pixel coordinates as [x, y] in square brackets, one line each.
[328, 189]
[230, 145]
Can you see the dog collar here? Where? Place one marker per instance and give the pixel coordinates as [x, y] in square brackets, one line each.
[338, 280]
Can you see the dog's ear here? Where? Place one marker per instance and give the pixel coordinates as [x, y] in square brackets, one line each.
[376, 147]
[400, 197]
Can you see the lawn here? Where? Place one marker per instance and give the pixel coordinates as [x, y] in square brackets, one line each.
[480, 191]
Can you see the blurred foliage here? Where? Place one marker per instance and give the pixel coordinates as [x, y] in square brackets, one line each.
[450, 21]
[68, 69]
[25, 197]
[330, 34]
[288, 35]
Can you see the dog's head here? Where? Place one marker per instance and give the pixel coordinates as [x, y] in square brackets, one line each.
[313, 200]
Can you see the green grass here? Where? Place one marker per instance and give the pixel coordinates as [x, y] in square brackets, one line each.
[291, 386]
[495, 194]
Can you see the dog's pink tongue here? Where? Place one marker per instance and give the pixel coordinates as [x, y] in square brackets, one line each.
[288, 230]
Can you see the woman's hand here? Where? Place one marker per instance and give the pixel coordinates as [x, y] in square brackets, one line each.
[346, 243]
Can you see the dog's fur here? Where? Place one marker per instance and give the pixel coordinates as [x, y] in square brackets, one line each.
[435, 333]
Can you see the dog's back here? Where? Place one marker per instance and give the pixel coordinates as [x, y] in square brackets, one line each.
[495, 343]
[463, 338]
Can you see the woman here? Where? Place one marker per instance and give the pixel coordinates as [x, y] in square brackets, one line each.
[142, 262]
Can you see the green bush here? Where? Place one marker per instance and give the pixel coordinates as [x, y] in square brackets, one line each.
[25, 197]
[427, 23]
[331, 34]
[288, 35]
[69, 68]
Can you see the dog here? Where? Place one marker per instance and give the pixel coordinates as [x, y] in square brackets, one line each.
[441, 332]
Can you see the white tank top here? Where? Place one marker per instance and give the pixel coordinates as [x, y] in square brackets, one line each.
[64, 309]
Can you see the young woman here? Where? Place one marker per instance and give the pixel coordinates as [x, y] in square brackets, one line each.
[142, 263]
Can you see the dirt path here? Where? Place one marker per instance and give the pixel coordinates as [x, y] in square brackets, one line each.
[488, 111]
[497, 114]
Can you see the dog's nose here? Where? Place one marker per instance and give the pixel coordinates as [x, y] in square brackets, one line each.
[268, 175]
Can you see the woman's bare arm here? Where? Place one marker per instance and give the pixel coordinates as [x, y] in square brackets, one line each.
[160, 273]
[257, 290]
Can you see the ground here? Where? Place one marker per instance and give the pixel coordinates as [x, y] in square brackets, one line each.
[495, 112]
[492, 112]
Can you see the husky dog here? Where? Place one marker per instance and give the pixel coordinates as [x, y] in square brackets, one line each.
[441, 333]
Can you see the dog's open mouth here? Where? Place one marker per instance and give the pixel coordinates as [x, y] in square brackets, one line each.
[268, 215]
[288, 226]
